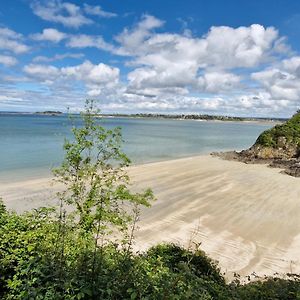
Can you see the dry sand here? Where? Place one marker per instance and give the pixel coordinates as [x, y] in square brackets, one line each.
[247, 217]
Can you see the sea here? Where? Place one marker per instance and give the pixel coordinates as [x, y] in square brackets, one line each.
[31, 145]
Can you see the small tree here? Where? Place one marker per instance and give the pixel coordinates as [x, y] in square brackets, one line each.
[95, 178]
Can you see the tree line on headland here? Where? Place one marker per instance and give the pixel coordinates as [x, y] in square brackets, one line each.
[204, 117]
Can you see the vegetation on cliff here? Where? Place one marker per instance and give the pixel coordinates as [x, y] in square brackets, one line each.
[282, 135]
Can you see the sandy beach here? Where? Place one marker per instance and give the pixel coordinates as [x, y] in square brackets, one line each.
[247, 217]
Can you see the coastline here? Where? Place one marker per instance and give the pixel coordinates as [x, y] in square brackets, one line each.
[245, 216]
[254, 121]
[214, 118]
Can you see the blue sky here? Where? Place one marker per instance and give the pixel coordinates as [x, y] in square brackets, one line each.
[218, 57]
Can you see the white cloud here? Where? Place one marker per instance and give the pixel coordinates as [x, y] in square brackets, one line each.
[96, 78]
[49, 34]
[167, 104]
[239, 47]
[292, 65]
[12, 41]
[58, 57]
[93, 74]
[42, 72]
[262, 103]
[131, 40]
[65, 13]
[282, 81]
[222, 47]
[142, 78]
[8, 33]
[216, 82]
[7, 60]
[34, 100]
[98, 11]
[85, 41]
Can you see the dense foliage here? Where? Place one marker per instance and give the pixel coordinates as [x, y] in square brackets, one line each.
[86, 252]
[33, 265]
[289, 131]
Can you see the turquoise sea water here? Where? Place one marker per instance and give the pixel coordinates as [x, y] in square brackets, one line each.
[30, 145]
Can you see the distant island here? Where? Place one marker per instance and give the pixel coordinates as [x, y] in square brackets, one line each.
[49, 113]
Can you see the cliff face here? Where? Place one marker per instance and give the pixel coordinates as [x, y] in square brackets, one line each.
[279, 142]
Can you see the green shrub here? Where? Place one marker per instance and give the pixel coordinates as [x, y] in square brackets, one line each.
[290, 130]
[269, 289]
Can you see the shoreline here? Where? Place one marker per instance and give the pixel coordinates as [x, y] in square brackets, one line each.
[231, 119]
[245, 216]
[254, 121]
[288, 166]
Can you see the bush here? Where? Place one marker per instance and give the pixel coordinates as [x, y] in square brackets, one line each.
[290, 130]
[34, 265]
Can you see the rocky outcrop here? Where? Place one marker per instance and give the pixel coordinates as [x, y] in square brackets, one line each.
[262, 152]
[279, 147]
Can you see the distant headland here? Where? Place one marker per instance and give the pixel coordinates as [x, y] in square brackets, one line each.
[204, 117]
[200, 117]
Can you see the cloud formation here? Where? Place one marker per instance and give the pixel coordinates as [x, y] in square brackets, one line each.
[96, 78]
[282, 81]
[58, 57]
[12, 41]
[49, 34]
[98, 11]
[226, 70]
[7, 60]
[167, 63]
[87, 41]
[66, 13]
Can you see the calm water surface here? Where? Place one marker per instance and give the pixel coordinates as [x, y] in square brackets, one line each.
[30, 145]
